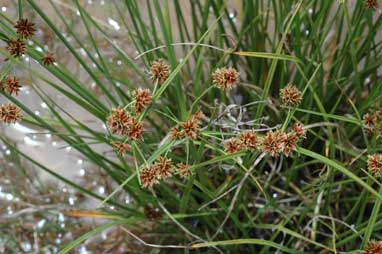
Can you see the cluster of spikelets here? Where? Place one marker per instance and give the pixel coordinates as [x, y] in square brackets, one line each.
[373, 247]
[273, 143]
[161, 170]
[127, 123]
[372, 4]
[373, 123]
[16, 47]
[189, 129]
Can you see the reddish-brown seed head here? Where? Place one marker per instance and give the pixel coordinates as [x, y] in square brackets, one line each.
[249, 140]
[16, 47]
[25, 28]
[120, 147]
[162, 168]
[372, 4]
[135, 129]
[10, 113]
[142, 99]
[273, 142]
[119, 121]
[373, 247]
[233, 145]
[299, 130]
[11, 85]
[184, 170]
[374, 164]
[148, 177]
[225, 78]
[290, 95]
[160, 71]
[289, 143]
[48, 59]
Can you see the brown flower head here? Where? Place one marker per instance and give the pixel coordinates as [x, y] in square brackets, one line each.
[176, 133]
[249, 140]
[25, 28]
[160, 71]
[135, 131]
[162, 168]
[184, 170]
[290, 95]
[299, 130]
[16, 47]
[224, 78]
[10, 113]
[373, 247]
[191, 127]
[374, 164]
[119, 121]
[273, 142]
[142, 99]
[289, 143]
[148, 177]
[48, 59]
[120, 147]
[152, 213]
[233, 145]
[369, 120]
[372, 4]
[11, 85]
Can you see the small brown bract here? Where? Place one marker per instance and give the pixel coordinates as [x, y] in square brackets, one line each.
[25, 28]
[374, 164]
[160, 71]
[225, 78]
[10, 113]
[290, 95]
[11, 85]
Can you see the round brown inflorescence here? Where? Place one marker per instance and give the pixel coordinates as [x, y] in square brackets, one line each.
[374, 164]
[184, 170]
[225, 78]
[11, 85]
[373, 247]
[290, 95]
[159, 71]
[16, 47]
[142, 99]
[48, 59]
[10, 113]
[25, 28]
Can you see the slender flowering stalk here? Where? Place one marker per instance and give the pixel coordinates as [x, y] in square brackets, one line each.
[160, 71]
[11, 85]
[373, 247]
[374, 164]
[16, 47]
[10, 113]
[142, 99]
[225, 78]
[290, 95]
[25, 28]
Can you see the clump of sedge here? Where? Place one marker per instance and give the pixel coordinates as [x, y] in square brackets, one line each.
[11, 85]
[10, 113]
[159, 71]
[225, 78]
[290, 95]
